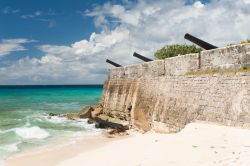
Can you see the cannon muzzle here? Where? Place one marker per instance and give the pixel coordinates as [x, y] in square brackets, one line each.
[113, 63]
[199, 42]
[145, 59]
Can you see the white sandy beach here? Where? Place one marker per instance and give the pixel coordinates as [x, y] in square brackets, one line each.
[197, 145]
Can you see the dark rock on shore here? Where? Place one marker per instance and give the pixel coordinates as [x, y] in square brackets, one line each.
[53, 114]
[104, 121]
[90, 121]
[116, 131]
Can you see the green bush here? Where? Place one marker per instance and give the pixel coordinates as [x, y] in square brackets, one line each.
[176, 49]
[243, 42]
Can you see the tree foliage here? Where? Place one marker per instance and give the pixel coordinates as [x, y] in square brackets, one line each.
[176, 49]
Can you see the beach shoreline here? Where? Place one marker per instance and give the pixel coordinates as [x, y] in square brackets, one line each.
[51, 155]
[197, 144]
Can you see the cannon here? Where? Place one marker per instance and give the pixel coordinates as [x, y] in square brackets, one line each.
[145, 59]
[199, 42]
[113, 63]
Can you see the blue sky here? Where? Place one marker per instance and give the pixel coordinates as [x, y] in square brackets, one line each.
[48, 22]
[67, 42]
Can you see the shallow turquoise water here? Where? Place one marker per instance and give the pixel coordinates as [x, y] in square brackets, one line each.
[24, 120]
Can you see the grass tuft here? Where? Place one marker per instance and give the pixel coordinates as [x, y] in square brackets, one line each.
[202, 72]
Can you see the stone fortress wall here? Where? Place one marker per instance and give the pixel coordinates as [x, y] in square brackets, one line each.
[159, 95]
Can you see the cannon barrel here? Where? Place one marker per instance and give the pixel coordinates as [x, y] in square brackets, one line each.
[113, 63]
[199, 42]
[145, 59]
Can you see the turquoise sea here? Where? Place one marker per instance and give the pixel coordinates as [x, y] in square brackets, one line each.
[24, 120]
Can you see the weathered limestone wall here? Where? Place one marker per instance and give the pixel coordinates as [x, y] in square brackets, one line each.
[182, 64]
[232, 57]
[158, 95]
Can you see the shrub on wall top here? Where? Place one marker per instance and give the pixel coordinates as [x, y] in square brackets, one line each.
[243, 42]
[176, 49]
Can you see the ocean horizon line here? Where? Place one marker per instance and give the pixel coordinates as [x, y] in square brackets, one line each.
[53, 86]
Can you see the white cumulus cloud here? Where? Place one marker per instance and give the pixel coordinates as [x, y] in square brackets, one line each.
[198, 4]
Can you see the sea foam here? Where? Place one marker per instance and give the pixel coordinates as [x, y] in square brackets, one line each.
[10, 148]
[1, 163]
[34, 132]
[56, 119]
[81, 123]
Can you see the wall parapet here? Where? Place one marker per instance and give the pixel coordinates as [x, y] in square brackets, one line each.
[232, 57]
[181, 64]
[148, 69]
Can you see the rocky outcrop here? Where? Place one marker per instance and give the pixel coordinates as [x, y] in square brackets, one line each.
[86, 112]
[72, 116]
[95, 114]
[104, 121]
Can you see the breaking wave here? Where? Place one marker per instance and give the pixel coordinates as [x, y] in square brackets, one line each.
[34, 132]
